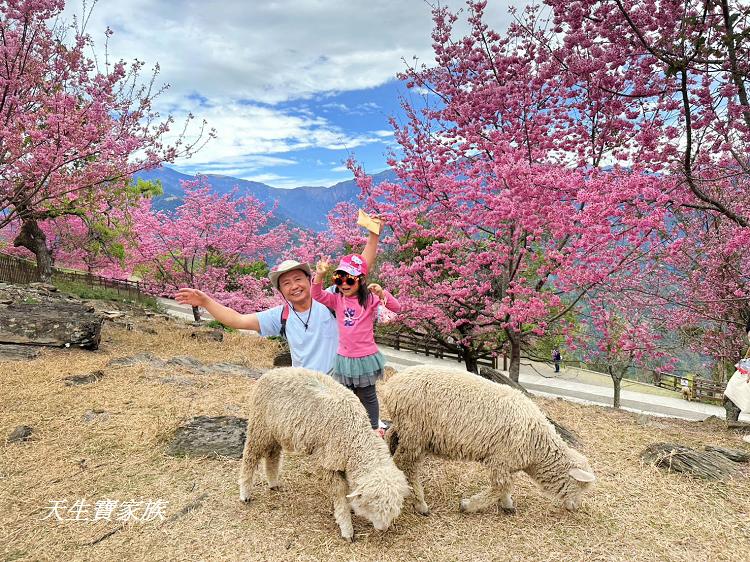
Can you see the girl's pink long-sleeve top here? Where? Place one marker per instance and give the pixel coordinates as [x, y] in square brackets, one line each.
[355, 323]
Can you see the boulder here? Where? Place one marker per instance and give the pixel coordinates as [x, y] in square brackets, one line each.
[76, 380]
[20, 434]
[11, 352]
[708, 465]
[55, 324]
[210, 436]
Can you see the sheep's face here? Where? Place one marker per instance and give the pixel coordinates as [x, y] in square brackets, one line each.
[579, 480]
[379, 496]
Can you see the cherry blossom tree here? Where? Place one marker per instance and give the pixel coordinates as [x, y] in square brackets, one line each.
[211, 242]
[623, 330]
[502, 226]
[71, 133]
[674, 75]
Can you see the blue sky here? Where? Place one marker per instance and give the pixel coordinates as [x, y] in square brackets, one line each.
[292, 87]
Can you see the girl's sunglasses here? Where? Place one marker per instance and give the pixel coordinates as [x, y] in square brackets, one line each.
[341, 278]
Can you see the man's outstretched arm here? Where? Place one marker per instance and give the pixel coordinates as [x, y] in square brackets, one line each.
[223, 314]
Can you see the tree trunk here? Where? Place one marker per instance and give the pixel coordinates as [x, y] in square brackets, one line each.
[514, 369]
[733, 412]
[616, 381]
[197, 314]
[33, 239]
[470, 359]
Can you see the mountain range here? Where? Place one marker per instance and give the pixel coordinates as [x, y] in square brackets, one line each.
[302, 206]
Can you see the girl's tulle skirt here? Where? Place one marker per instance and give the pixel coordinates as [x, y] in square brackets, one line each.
[358, 371]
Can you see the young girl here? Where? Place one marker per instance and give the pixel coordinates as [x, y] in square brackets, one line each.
[358, 364]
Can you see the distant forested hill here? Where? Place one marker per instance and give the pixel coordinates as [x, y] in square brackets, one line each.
[303, 206]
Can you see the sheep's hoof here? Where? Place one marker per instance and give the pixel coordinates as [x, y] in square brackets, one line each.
[509, 510]
[422, 509]
[349, 539]
[464, 505]
[245, 499]
[275, 487]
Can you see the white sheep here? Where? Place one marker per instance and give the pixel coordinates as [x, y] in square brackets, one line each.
[300, 410]
[458, 415]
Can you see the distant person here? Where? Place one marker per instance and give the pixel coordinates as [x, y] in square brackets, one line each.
[359, 363]
[309, 327]
[556, 358]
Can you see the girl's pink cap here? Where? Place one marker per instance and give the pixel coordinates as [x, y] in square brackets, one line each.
[353, 264]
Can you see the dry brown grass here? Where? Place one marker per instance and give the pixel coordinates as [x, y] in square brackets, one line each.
[635, 513]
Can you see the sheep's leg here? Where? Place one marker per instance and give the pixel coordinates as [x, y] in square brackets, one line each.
[410, 463]
[341, 510]
[498, 491]
[252, 454]
[272, 463]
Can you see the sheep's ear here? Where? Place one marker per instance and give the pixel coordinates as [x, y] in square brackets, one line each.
[581, 475]
[354, 494]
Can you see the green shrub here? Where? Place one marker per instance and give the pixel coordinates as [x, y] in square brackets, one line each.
[218, 325]
[84, 291]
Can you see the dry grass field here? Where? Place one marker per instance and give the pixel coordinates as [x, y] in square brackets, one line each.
[636, 512]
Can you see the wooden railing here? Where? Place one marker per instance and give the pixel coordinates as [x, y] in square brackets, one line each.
[702, 390]
[22, 271]
[417, 343]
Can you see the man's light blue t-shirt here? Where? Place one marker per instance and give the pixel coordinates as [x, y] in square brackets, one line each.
[313, 349]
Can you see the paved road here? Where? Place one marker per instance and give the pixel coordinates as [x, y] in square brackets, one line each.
[540, 379]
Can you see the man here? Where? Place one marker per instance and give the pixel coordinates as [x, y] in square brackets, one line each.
[310, 326]
[556, 358]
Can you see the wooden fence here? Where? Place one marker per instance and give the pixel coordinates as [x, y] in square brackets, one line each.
[422, 344]
[702, 390]
[21, 271]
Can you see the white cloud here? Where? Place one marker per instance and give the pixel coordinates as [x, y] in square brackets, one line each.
[248, 134]
[233, 62]
[271, 51]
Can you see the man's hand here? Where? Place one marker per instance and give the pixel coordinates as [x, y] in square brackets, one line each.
[376, 290]
[193, 297]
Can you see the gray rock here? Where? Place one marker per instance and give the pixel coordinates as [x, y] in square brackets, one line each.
[54, 323]
[20, 434]
[672, 457]
[10, 352]
[190, 364]
[210, 436]
[147, 358]
[180, 381]
[234, 369]
[283, 359]
[735, 455]
[208, 335]
[95, 415]
[77, 380]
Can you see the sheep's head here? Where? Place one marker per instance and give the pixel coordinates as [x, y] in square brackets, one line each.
[379, 495]
[578, 480]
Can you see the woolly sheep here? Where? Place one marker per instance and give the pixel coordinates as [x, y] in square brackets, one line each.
[299, 410]
[458, 415]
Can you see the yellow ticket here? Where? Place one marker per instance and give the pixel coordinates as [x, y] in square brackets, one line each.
[371, 224]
